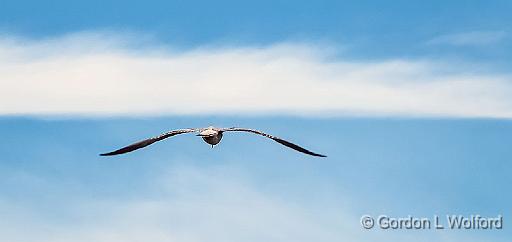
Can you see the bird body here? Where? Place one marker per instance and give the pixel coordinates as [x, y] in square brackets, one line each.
[210, 135]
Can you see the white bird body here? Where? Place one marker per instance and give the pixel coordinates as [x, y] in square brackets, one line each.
[210, 135]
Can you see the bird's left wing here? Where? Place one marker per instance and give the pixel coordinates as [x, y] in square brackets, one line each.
[146, 142]
[278, 140]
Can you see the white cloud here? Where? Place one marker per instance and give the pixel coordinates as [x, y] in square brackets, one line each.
[101, 74]
[473, 38]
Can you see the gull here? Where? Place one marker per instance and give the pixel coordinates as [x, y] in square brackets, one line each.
[210, 135]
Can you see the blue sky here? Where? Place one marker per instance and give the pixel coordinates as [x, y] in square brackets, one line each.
[410, 101]
[372, 29]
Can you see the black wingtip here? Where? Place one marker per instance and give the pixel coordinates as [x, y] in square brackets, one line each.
[107, 154]
[317, 155]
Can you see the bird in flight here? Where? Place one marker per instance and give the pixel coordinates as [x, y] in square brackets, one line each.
[210, 135]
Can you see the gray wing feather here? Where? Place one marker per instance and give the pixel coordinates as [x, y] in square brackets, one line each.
[278, 140]
[146, 142]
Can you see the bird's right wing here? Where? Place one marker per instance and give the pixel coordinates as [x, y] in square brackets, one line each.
[146, 142]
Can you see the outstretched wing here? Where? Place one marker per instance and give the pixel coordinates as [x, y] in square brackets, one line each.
[278, 140]
[144, 143]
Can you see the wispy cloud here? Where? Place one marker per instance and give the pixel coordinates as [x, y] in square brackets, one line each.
[102, 74]
[473, 38]
[189, 204]
[193, 204]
